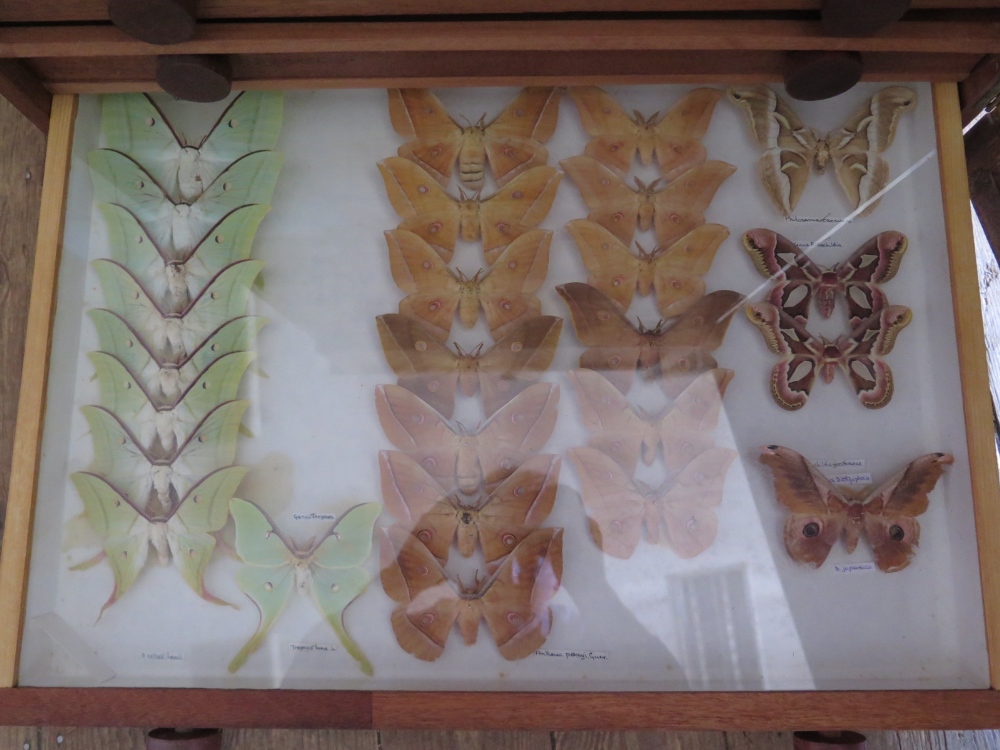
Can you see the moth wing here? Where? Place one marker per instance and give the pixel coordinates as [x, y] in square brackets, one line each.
[224, 299]
[611, 203]
[258, 541]
[228, 242]
[520, 205]
[507, 292]
[705, 323]
[349, 541]
[252, 122]
[680, 206]
[413, 426]
[513, 141]
[818, 508]
[615, 508]
[427, 210]
[119, 456]
[416, 499]
[121, 180]
[793, 376]
[419, 115]
[678, 135]
[686, 432]
[518, 506]
[690, 520]
[518, 429]
[134, 125]
[890, 519]
[205, 508]
[678, 269]
[210, 446]
[875, 262]
[434, 292]
[269, 589]
[614, 135]
[615, 429]
[873, 337]
[518, 358]
[428, 606]
[613, 269]
[248, 180]
[424, 365]
[515, 604]
[333, 591]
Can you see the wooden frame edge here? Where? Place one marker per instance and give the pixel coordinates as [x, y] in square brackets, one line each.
[971, 358]
[15, 553]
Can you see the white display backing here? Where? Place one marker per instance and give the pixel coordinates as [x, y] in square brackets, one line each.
[742, 615]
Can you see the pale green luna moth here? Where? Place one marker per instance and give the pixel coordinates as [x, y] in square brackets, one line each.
[179, 227]
[167, 379]
[183, 535]
[174, 335]
[154, 483]
[133, 124]
[162, 427]
[172, 281]
[329, 571]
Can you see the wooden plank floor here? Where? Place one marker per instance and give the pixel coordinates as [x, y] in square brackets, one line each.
[21, 156]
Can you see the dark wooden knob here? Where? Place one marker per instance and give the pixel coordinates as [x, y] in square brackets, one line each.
[195, 78]
[860, 17]
[155, 21]
[811, 75]
[184, 739]
[828, 741]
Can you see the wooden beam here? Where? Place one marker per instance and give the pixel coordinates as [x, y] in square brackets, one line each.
[21, 87]
[980, 88]
[937, 37]
[47, 11]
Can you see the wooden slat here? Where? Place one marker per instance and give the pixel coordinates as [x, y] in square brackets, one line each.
[26, 11]
[16, 551]
[466, 740]
[348, 70]
[21, 87]
[759, 711]
[972, 359]
[980, 87]
[941, 37]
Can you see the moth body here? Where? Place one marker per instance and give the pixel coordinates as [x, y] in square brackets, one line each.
[190, 174]
[158, 533]
[472, 155]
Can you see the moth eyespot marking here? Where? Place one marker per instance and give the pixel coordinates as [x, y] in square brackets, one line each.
[426, 265]
[227, 186]
[504, 228]
[422, 189]
[417, 418]
[676, 284]
[512, 264]
[519, 112]
[507, 464]
[334, 587]
[674, 218]
[150, 122]
[618, 281]
[692, 523]
[433, 386]
[434, 228]
[519, 490]
[605, 400]
[616, 525]
[204, 386]
[268, 586]
[434, 306]
[616, 447]
[128, 385]
[422, 570]
[214, 347]
[810, 530]
[427, 618]
[896, 533]
[425, 535]
[677, 148]
[603, 315]
[436, 151]
[138, 239]
[135, 296]
[683, 364]
[700, 476]
[202, 438]
[118, 503]
[124, 554]
[516, 346]
[192, 554]
[196, 499]
[514, 618]
[510, 152]
[121, 441]
[139, 184]
[503, 386]
[614, 147]
[420, 346]
[608, 476]
[267, 534]
[604, 181]
[509, 540]
[517, 195]
[690, 184]
[429, 464]
[617, 217]
[517, 418]
[615, 361]
[686, 446]
[214, 295]
[130, 343]
[429, 110]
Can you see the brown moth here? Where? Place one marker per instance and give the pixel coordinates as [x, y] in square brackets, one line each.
[674, 137]
[506, 291]
[514, 600]
[511, 143]
[821, 511]
[498, 520]
[673, 210]
[676, 354]
[684, 430]
[619, 507]
[430, 212]
[466, 458]
[674, 272]
[434, 372]
[792, 149]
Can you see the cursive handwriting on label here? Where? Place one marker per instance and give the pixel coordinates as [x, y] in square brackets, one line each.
[574, 655]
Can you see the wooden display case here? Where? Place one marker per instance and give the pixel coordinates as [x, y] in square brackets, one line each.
[942, 44]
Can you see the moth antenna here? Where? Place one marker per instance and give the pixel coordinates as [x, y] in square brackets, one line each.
[640, 184]
[642, 251]
[652, 186]
[460, 274]
[459, 349]
[461, 194]
[478, 350]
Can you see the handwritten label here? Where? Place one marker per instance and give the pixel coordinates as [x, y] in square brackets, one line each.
[835, 466]
[819, 219]
[574, 655]
[865, 567]
[314, 517]
[850, 479]
[818, 244]
[313, 647]
[161, 656]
